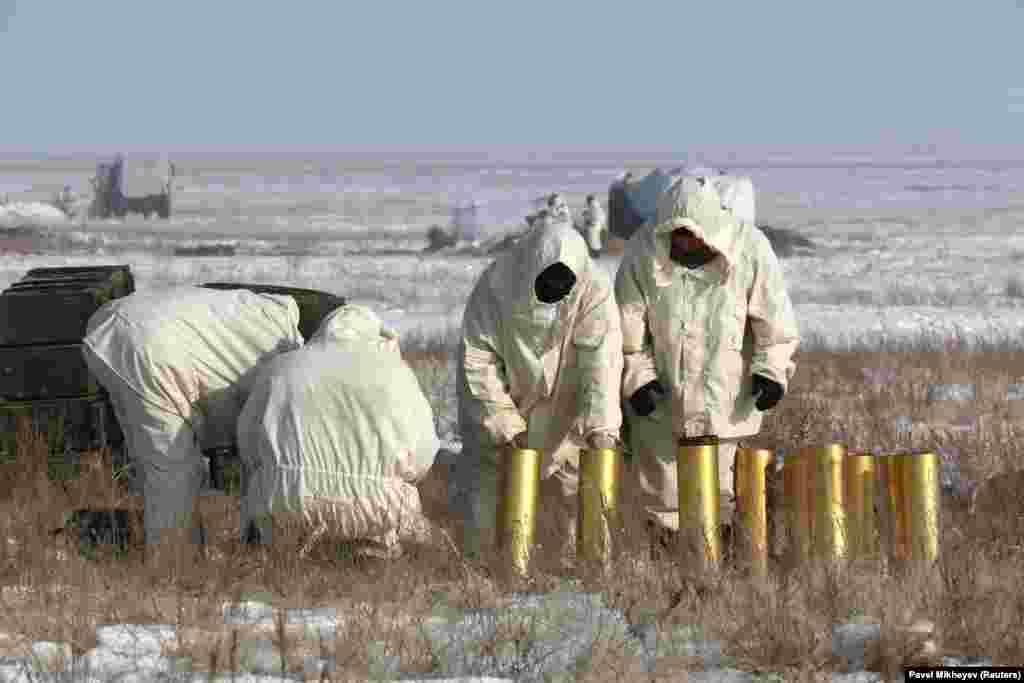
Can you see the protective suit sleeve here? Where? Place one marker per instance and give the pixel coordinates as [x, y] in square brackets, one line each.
[637, 353]
[772, 320]
[598, 341]
[491, 407]
[424, 443]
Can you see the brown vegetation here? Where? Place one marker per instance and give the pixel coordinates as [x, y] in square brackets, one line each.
[783, 624]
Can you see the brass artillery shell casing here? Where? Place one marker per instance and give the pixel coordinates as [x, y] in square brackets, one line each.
[859, 502]
[598, 520]
[697, 474]
[828, 523]
[752, 504]
[519, 488]
[896, 505]
[921, 502]
[886, 512]
[798, 506]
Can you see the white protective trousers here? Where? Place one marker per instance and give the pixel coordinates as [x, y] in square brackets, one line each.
[165, 449]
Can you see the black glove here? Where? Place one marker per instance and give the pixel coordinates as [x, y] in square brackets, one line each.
[645, 399]
[767, 392]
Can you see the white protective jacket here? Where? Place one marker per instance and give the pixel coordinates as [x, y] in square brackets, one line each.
[184, 350]
[556, 378]
[704, 332]
[338, 432]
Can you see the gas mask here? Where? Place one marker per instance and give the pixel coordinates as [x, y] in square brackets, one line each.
[554, 284]
[693, 255]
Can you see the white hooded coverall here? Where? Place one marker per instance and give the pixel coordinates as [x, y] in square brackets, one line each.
[703, 333]
[172, 362]
[552, 370]
[336, 435]
[594, 225]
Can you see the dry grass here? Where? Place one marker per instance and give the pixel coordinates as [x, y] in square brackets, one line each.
[779, 625]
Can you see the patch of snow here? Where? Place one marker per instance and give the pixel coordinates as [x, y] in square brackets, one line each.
[31, 214]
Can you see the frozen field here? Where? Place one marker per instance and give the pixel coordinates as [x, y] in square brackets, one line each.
[903, 248]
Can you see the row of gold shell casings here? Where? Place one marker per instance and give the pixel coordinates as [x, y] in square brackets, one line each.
[831, 502]
[909, 487]
[598, 518]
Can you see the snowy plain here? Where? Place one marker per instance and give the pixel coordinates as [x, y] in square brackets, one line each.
[904, 247]
[901, 249]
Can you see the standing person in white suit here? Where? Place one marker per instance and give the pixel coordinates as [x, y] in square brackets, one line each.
[540, 367]
[173, 362]
[594, 225]
[709, 335]
[335, 437]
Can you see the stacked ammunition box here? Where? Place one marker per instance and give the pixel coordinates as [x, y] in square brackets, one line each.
[314, 305]
[43, 375]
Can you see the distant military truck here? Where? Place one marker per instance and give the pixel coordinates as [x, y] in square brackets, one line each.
[110, 200]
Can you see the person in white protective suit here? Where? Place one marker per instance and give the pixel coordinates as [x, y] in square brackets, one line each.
[709, 335]
[559, 208]
[594, 225]
[540, 366]
[172, 362]
[334, 438]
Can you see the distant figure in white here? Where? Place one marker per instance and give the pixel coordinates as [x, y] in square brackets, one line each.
[593, 225]
[466, 223]
[172, 362]
[334, 438]
[559, 209]
[65, 201]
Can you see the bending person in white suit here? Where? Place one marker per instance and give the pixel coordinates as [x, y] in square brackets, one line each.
[334, 438]
[172, 362]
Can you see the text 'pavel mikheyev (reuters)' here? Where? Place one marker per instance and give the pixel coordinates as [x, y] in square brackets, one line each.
[964, 673]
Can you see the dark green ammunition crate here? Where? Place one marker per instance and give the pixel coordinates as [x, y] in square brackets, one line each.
[314, 305]
[120, 276]
[44, 372]
[50, 314]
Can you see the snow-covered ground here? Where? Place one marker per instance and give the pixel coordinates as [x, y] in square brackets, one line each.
[903, 248]
[31, 215]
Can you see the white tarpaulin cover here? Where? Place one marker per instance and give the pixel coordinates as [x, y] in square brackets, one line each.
[172, 362]
[338, 433]
[737, 196]
[30, 214]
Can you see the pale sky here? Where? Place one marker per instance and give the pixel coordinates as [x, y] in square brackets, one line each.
[165, 75]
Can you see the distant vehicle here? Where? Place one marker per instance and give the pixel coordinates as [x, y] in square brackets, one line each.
[109, 200]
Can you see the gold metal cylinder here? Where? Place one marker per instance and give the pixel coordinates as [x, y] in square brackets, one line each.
[798, 505]
[828, 524]
[921, 482]
[859, 503]
[519, 488]
[899, 514]
[598, 520]
[886, 513]
[752, 504]
[697, 474]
